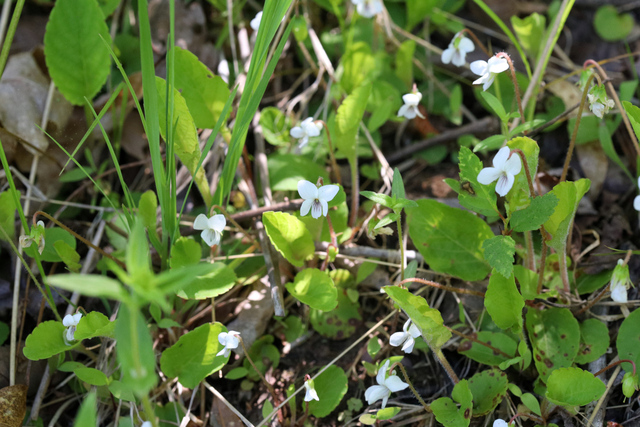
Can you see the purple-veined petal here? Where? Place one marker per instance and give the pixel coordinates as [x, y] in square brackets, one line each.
[316, 209]
[501, 158]
[458, 59]
[217, 223]
[328, 192]
[307, 190]
[394, 383]
[479, 67]
[306, 206]
[210, 237]
[410, 113]
[201, 222]
[488, 175]
[505, 182]
[69, 333]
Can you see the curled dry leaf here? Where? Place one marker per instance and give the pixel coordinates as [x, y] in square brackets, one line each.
[13, 405]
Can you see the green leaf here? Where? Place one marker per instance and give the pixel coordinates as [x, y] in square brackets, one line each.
[237, 373]
[628, 341]
[185, 137]
[417, 11]
[559, 224]
[185, 251]
[488, 389]
[198, 281]
[397, 186]
[348, 120]
[483, 354]
[365, 269]
[449, 239]
[499, 252]
[339, 323]
[519, 197]
[94, 324]
[87, 413]
[503, 302]
[90, 285]
[588, 283]
[610, 25]
[92, 376]
[357, 63]
[300, 30]
[74, 48]
[314, 288]
[379, 198]
[404, 62]
[530, 32]
[594, 341]
[528, 281]
[7, 215]
[387, 413]
[204, 92]
[447, 412]
[51, 236]
[275, 126]
[471, 194]
[534, 215]
[495, 105]
[555, 339]
[68, 255]
[573, 387]
[45, 341]
[427, 319]
[134, 350]
[331, 386]
[289, 236]
[138, 258]
[193, 357]
[4, 332]
[285, 170]
[120, 391]
[532, 403]
[147, 209]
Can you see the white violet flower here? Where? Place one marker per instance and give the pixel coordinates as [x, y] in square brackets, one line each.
[70, 321]
[230, 340]
[368, 8]
[488, 70]
[316, 199]
[504, 169]
[636, 201]
[387, 385]
[308, 128]
[255, 22]
[620, 282]
[146, 424]
[405, 338]
[457, 51]
[212, 228]
[310, 391]
[410, 109]
[27, 240]
[600, 105]
[500, 423]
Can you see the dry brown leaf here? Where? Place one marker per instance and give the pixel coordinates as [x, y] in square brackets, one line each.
[13, 405]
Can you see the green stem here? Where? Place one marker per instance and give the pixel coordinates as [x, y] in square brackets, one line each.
[354, 190]
[13, 26]
[564, 271]
[413, 390]
[401, 242]
[574, 135]
[334, 163]
[515, 82]
[444, 287]
[531, 257]
[445, 364]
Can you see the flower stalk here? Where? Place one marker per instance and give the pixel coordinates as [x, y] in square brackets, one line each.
[574, 134]
[515, 82]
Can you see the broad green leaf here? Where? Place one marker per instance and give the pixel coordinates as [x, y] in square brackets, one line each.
[384, 102]
[314, 288]
[285, 170]
[569, 195]
[193, 357]
[289, 236]
[387, 413]
[7, 215]
[147, 209]
[185, 251]
[185, 139]
[519, 196]
[204, 92]
[218, 281]
[610, 25]
[365, 269]
[348, 120]
[275, 126]
[91, 285]
[94, 324]
[488, 389]
[503, 302]
[628, 341]
[588, 283]
[471, 194]
[499, 252]
[418, 10]
[534, 215]
[120, 391]
[339, 323]
[530, 32]
[357, 63]
[555, 339]
[51, 236]
[594, 341]
[495, 105]
[427, 319]
[449, 239]
[108, 6]
[134, 350]
[68, 255]
[331, 386]
[87, 413]
[74, 48]
[92, 376]
[573, 387]
[447, 412]
[483, 354]
[45, 341]
[528, 281]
